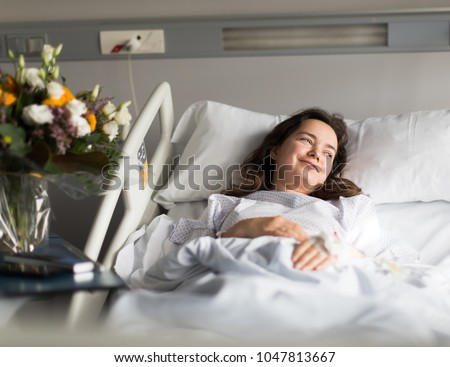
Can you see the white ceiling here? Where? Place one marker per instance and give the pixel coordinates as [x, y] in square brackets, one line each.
[54, 10]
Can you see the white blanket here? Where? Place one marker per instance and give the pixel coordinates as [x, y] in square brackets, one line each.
[247, 290]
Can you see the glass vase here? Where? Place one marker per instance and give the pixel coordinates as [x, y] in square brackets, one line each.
[24, 212]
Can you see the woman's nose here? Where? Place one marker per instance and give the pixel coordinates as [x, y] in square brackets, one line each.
[314, 154]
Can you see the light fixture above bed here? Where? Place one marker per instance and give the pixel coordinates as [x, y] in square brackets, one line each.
[309, 36]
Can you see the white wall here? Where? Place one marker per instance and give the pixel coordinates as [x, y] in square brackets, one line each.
[358, 86]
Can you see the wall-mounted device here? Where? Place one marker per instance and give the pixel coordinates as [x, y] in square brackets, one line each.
[148, 41]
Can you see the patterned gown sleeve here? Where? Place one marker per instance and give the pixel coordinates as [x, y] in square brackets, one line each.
[209, 222]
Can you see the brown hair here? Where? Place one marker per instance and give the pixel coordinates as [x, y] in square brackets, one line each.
[257, 169]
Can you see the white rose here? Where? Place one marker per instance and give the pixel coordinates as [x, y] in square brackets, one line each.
[123, 116]
[37, 114]
[33, 79]
[109, 110]
[111, 129]
[55, 90]
[47, 53]
[76, 107]
[81, 125]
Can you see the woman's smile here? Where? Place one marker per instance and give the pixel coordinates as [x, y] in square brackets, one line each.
[308, 163]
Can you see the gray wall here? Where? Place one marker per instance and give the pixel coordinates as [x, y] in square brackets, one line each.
[358, 86]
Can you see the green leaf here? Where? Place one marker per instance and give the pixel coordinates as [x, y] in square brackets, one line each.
[93, 138]
[79, 146]
[23, 100]
[16, 136]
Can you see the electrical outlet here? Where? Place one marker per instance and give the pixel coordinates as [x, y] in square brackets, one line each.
[26, 44]
[149, 41]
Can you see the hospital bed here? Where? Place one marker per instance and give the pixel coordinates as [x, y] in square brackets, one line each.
[400, 161]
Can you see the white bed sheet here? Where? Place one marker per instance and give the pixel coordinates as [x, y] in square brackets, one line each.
[424, 225]
[247, 290]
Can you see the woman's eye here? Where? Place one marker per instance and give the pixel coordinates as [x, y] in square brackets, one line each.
[307, 140]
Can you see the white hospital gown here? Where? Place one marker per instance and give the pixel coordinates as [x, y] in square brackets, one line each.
[354, 219]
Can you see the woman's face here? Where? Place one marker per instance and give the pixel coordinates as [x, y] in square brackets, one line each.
[306, 157]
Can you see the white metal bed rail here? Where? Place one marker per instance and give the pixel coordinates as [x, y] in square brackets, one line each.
[138, 205]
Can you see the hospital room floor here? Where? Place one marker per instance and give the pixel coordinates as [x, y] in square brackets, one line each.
[41, 321]
[42, 312]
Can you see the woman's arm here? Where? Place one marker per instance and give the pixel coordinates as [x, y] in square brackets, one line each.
[266, 226]
[306, 256]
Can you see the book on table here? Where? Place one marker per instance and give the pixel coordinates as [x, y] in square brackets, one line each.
[48, 260]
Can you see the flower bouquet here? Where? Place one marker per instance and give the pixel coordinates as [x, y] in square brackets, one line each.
[47, 133]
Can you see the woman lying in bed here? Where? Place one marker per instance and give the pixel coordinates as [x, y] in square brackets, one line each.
[291, 186]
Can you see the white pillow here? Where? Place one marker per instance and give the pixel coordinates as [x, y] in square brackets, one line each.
[401, 158]
[217, 137]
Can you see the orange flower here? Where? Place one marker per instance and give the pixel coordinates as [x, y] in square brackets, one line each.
[8, 92]
[61, 101]
[90, 117]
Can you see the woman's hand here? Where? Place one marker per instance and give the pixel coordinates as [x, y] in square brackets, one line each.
[307, 256]
[266, 226]
[310, 256]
